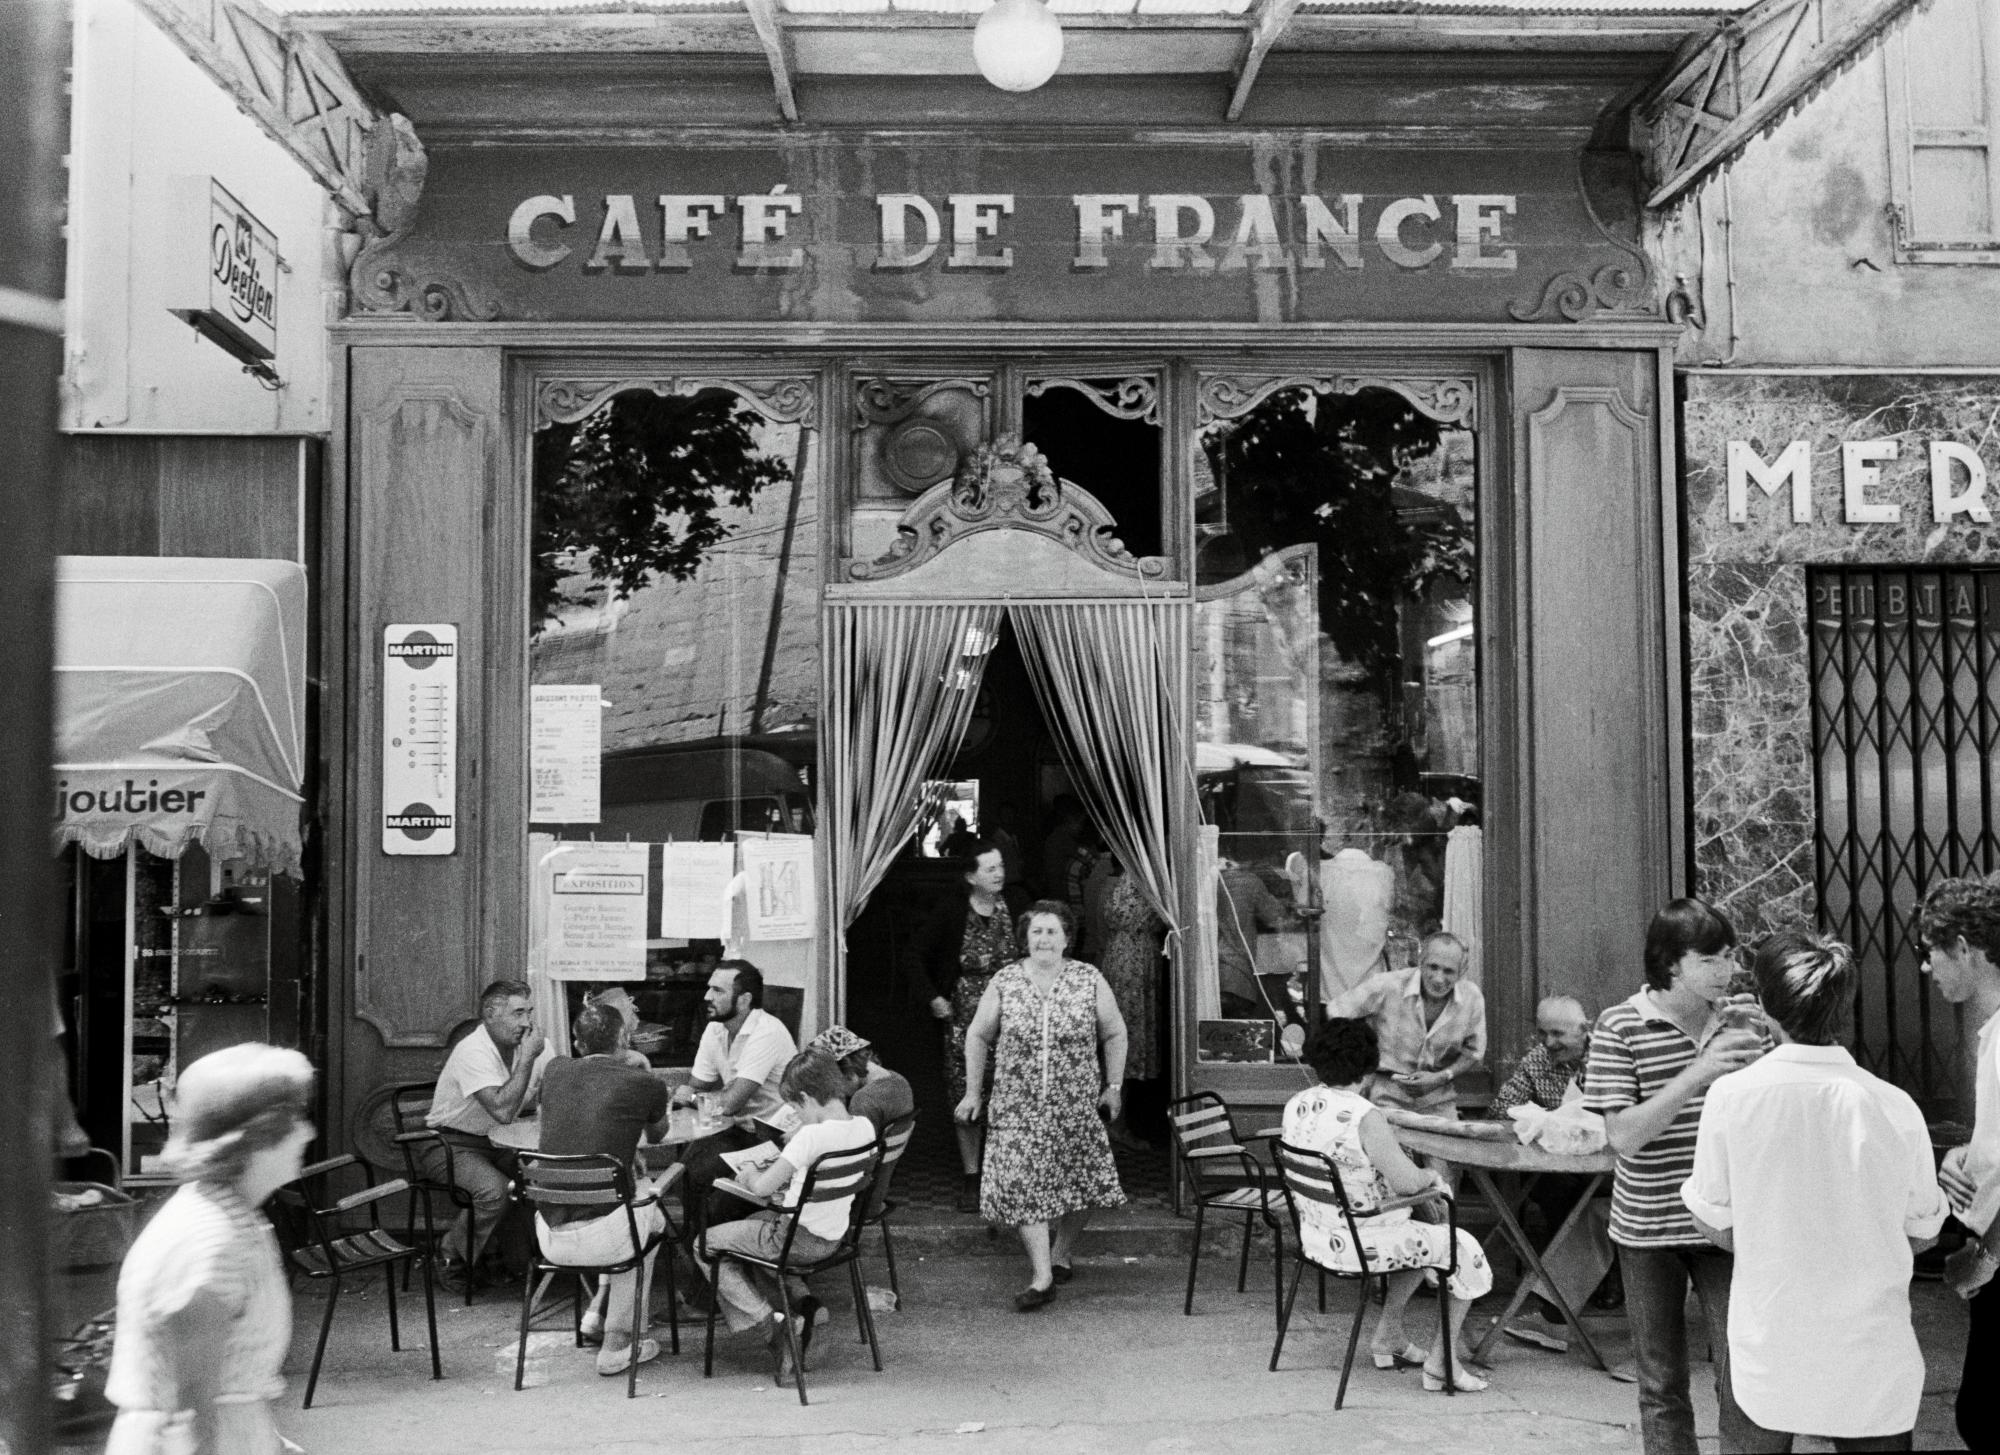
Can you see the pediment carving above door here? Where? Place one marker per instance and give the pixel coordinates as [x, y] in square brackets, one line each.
[1008, 486]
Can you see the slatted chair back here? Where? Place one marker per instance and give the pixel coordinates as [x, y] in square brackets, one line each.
[895, 1142]
[589, 1179]
[1311, 1176]
[1205, 1139]
[832, 1177]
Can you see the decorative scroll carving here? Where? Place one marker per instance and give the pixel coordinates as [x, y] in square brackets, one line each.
[397, 169]
[1008, 486]
[1225, 396]
[1450, 399]
[1136, 397]
[782, 400]
[889, 401]
[434, 299]
[1621, 289]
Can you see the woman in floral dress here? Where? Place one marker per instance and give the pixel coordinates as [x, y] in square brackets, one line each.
[1133, 934]
[1048, 1161]
[958, 954]
[1335, 1118]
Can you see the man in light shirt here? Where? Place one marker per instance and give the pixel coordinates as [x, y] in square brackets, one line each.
[489, 1080]
[741, 1059]
[1818, 1177]
[1959, 922]
[1430, 1022]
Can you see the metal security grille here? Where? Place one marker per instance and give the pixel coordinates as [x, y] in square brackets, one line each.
[1906, 724]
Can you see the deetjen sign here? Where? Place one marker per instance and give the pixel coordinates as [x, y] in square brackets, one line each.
[225, 269]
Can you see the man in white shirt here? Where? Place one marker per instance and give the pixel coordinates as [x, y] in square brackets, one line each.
[1818, 1176]
[489, 1080]
[1959, 923]
[742, 1058]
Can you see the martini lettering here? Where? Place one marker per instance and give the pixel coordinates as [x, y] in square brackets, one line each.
[1171, 232]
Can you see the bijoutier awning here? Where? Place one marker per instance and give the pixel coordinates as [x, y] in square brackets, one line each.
[180, 706]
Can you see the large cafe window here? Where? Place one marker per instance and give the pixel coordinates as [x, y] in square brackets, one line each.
[1336, 681]
[674, 669]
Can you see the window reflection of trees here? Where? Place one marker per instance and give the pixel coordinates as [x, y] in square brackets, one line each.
[1382, 497]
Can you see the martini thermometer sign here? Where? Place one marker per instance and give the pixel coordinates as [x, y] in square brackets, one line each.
[420, 738]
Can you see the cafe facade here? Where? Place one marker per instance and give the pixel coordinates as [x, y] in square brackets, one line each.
[1288, 490]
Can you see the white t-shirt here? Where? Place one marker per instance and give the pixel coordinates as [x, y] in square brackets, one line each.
[475, 1064]
[759, 1053]
[802, 1149]
[1982, 1159]
[1823, 1173]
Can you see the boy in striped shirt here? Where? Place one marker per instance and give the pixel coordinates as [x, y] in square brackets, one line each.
[1652, 1060]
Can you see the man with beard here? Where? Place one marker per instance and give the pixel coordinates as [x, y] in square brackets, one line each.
[741, 1059]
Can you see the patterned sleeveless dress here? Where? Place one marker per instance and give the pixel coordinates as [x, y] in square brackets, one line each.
[1328, 1119]
[1046, 1149]
[987, 945]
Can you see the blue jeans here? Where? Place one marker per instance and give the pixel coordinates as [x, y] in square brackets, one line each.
[1656, 1287]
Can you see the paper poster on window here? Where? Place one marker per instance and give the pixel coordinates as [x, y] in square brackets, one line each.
[565, 748]
[694, 890]
[597, 911]
[778, 888]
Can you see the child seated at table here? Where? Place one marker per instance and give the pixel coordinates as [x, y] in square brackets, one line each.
[1335, 1118]
[814, 1084]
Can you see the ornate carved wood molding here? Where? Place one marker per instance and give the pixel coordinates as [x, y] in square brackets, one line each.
[1617, 290]
[783, 399]
[885, 400]
[1450, 399]
[1135, 396]
[1752, 72]
[997, 491]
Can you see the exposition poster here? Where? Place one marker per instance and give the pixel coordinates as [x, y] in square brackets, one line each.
[597, 911]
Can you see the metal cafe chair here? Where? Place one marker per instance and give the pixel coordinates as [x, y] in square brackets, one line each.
[895, 1141]
[830, 1178]
[592, 1179]
[1310, 1176]
[1223, 1176]
[410, 1103]
[320, 1250]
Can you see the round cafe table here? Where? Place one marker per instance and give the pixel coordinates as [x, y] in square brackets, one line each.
[524, 1134]
[1482, 1155]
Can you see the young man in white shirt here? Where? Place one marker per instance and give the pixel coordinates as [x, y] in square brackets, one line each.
[814, 1084]
[1959, 924]
[742, 1056]
[1818, 1177]
[489, 1080]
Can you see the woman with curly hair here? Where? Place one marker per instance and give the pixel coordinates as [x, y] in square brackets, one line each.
[204, 1314]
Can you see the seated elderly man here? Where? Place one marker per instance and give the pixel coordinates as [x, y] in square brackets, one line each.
[742, 1056]
[873, 1090]
[1430, 1023]
[489, 1079]
[598, 1102]
[1550, 1074]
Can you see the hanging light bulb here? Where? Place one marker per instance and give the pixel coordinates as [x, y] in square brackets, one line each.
[1017, 44]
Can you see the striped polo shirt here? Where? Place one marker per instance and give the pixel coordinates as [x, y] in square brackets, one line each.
[1635, 1050]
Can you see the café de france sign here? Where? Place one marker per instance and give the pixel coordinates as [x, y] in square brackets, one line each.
[969, 231]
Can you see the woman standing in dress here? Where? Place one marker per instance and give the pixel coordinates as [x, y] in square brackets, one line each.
[204, 1313]
[1133, 935]
[1043, 1022]
[957, 955]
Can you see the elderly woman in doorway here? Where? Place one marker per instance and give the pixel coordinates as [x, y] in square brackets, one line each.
[1043, 1022]
[1335, 1118]
[204, 1311]
[957, 955]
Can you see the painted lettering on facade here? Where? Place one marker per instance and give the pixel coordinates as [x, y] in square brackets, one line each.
[1957, 481]
[1168, 232]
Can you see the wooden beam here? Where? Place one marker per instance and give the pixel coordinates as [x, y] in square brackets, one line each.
[1267, 23]
[764, 16]
[1748, 77]
[292, 85]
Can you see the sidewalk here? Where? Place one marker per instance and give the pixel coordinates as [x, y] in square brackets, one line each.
[1112, 1366]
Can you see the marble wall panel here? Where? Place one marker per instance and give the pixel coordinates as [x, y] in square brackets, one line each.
[1751, 765]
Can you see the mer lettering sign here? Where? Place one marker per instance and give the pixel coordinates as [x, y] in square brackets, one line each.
[1957, 481]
